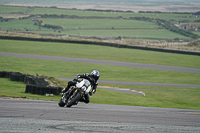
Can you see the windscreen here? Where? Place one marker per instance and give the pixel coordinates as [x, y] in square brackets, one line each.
[87, 83]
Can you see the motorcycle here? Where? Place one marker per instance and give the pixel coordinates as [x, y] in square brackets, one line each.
[76, 93]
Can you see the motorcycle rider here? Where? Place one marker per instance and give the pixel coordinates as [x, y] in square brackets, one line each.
[93, 78]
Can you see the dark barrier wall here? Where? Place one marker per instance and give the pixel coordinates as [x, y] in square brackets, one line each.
[34, 84]
[42, 90]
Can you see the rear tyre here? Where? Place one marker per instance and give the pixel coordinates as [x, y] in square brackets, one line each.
[61, 103]
[73, 100]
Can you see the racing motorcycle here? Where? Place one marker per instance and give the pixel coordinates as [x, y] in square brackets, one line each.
[77, 92]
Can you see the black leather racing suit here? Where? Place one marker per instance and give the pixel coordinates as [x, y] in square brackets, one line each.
[93, 82]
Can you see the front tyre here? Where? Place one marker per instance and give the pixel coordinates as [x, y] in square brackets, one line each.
[74, 99]
[61, 103]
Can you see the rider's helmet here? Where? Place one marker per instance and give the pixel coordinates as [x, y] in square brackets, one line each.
[95, 74]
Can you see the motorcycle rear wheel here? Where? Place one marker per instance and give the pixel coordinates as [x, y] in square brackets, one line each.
[73, 100]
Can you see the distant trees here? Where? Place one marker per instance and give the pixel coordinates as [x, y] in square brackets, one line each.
[164, 12]
[38, 22]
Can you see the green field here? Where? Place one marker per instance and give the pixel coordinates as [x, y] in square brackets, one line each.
[96, 26]
[57, 11]
[99, 23]
[129, 33]
[22, 25]
[49, 11]
[146, 29]
[12, 9]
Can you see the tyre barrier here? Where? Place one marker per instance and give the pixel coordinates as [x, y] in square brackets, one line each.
[40, 81]
[14, 76]
[29, 80]
[17, 76]
[41, 90]
[7, 74]
[36, 80]
[2, 74]
[34, 84]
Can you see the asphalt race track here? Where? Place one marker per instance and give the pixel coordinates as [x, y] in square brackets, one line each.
[143, 84]
[19, 115]
[114, 63]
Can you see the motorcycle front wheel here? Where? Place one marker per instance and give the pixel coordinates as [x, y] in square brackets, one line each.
[74, 99]
[61, 103]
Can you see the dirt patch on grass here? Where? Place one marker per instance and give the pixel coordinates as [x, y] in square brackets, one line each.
[195, 43]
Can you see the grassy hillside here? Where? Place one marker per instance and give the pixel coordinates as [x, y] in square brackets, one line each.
[96, 23]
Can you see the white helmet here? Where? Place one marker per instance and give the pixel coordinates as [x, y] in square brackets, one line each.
[95, 74]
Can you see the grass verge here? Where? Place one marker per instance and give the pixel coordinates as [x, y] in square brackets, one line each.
[155, 97]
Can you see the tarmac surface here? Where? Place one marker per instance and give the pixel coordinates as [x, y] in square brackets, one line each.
[104, 62]
[141, 83]
[19, 115]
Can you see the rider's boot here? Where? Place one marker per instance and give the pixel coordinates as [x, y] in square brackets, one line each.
[75, 103]
[84, 100]
[65, 89]
[70, 83]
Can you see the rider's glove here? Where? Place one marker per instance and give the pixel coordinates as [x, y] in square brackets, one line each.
[90, 93]
[77, 76]
[63, 91]
[75, 80]
[86, 74]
